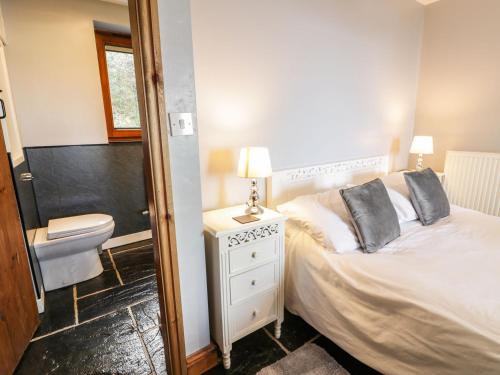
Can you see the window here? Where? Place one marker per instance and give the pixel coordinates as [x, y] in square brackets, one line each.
[116, 67]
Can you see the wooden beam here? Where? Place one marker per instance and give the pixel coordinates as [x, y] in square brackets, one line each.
[202, 360]
[149, 72]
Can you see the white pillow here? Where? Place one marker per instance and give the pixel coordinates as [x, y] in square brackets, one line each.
[325, 218]
[400, 197]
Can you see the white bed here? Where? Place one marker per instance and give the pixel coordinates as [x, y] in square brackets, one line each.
[428, 303]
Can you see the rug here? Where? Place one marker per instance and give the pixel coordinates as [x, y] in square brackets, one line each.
[309, 359]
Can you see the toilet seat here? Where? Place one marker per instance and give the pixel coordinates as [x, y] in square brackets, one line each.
[41, 240]
[76, 225]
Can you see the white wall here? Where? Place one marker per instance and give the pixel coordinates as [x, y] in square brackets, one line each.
[458, 101]
[52, 59]
[177, 55]
[316, 81]
[9, 123]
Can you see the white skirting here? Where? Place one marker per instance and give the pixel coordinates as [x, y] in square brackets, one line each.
[40, 302]
[129, 238]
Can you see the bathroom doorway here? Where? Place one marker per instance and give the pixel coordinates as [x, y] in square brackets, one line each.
[76, 165]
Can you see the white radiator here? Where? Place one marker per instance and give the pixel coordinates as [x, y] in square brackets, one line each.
[472, 180]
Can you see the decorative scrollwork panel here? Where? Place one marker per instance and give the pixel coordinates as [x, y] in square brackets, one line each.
[250, 235]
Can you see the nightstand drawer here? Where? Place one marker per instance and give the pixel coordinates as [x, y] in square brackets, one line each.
[252, 314]
[253, 254]
[252, 282]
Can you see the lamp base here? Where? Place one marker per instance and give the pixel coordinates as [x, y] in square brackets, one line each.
[420, 162]
[253, 200]
[254, 210]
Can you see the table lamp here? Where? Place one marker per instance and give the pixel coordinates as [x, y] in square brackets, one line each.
[421, 145]
[254, 163]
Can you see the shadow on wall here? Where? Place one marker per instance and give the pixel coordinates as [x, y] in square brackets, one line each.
[76, 180]
[221, 164]
[394, 153]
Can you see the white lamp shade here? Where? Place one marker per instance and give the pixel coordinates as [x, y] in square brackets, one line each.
[254, 162]
[422, 145]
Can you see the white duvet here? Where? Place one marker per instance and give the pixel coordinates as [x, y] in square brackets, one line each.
[428, 303]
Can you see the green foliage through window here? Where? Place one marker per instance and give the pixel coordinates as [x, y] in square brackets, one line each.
[121, 75]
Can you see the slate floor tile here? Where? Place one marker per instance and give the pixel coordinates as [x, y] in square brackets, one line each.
[116, 298]
[134, 245]
[109, 345]
[135, 264]
[146, 314]
[250, 354]
[105, 280]
[154, 345]
[295, 332]
[106, 261]
[351, 364]
[59, 311]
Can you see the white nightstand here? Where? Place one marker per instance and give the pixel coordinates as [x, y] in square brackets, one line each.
[245, 272]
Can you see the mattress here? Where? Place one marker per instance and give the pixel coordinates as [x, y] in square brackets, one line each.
[428, 303]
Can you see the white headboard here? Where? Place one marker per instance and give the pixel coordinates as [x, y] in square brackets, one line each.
[285, 185]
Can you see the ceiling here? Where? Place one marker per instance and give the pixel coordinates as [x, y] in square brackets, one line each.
[119, 2]
[426, 2]
[125, 2]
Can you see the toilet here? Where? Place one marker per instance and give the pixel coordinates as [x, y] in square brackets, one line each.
[68, 248]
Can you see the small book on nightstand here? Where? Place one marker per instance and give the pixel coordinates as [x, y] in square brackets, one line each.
[245, 219]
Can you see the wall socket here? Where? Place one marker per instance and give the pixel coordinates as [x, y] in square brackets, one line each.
[181, 124]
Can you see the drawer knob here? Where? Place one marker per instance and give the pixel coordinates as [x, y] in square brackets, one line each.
[254, 255]
[254, 313]
[254, 282]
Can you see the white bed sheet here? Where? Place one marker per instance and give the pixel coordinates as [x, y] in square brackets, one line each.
[428, 303]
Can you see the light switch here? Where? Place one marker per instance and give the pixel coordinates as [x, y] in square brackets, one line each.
[181, 124]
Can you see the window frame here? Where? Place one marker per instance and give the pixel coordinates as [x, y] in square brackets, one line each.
[104, 39]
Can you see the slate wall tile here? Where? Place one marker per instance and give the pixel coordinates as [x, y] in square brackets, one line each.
[76, 180]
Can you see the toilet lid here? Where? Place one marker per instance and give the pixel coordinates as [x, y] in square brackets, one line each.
[74, 225]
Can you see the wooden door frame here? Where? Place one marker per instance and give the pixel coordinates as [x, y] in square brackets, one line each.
[149, 74]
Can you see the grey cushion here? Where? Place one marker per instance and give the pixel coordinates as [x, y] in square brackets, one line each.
[427, 196]
[372, 213]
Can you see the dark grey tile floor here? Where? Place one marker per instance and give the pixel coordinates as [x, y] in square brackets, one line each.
[260, 349]
[109, 325]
